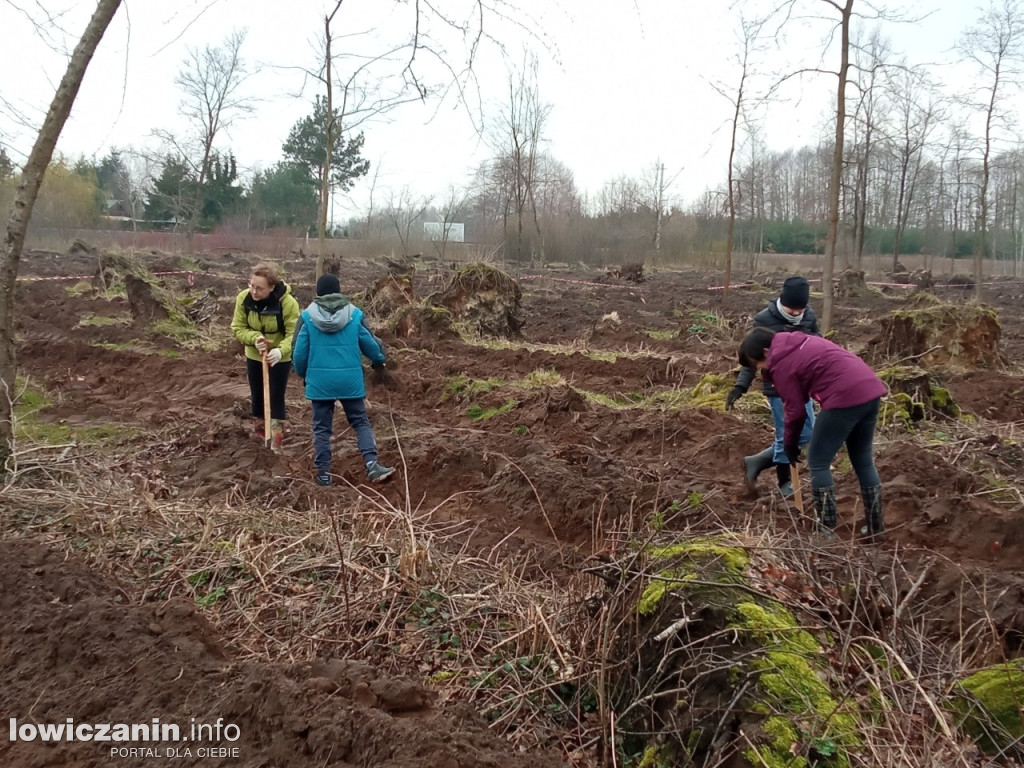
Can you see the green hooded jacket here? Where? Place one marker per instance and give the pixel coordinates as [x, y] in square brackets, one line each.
[274, 318]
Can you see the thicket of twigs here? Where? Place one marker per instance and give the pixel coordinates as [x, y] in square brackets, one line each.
[549, 658]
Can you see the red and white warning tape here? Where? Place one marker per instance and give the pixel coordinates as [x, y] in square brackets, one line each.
[190, 273]
[573, 282]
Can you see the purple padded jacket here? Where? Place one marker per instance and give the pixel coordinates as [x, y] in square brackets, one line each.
[803, 367]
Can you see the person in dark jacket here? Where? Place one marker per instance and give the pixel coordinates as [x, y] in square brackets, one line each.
[331, 338]
[849, 393]
[791, 311]
[264, 322]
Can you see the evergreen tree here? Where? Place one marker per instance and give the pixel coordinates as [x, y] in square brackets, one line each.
[307, 146]
[284, 196]
[174, 193]
[6, 165]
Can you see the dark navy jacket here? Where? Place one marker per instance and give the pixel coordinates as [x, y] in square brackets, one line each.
[771, 317]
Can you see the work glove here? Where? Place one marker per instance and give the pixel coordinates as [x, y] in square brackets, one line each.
[274, 356]
[734, 394]
[792, 453]
[262, 345]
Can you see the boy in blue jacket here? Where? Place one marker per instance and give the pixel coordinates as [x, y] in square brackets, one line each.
[327, 354]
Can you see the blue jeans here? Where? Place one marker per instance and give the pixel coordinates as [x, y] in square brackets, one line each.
[854, 426]
[323, 428]
[778, 416]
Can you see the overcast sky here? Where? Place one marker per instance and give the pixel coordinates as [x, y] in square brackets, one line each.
[628, 81]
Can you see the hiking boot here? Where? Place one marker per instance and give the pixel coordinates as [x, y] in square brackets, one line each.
[825, 509]
[276, 435]
[323, 477]
[873, 530]
[377, 472]
[755, 465]
[787, 490]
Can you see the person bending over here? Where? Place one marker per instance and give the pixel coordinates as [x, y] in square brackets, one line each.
[849, 393]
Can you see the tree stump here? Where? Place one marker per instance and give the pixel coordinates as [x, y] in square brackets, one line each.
[486, 299]
[390, 293]
[633, 272]
[852, 284]
[966, 336]
[422, 323]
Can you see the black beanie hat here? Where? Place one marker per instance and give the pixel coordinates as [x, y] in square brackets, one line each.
[327, 284]
[796, 292]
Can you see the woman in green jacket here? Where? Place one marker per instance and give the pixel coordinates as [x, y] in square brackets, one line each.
[264, 321]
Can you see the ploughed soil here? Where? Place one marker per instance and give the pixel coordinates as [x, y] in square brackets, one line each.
[542, 468]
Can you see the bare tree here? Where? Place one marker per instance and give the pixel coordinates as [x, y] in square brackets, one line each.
[836, 175]
[916, 115]
[995, 46]
[403, 210]
[870, 61]
[516, 137]
[211, 80]
[135, 176]
[451, 209]
[749, 41]
[24, 200]
[331, 130]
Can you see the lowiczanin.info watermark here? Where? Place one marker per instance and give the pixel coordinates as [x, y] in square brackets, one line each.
[160, 739]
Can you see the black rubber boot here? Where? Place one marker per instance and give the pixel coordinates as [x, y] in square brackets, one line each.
[755, 465]
[825, 508]
[873, 530]
[785, 474]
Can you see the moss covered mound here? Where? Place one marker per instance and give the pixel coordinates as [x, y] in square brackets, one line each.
[991, 707]
[964, 336]
[725, 673]
[914, 395]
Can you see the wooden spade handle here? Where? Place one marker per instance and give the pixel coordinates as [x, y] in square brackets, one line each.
[267, 433]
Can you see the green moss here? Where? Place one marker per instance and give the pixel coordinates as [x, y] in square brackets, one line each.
[476, 413]
[80, 288]
[711, 391]
[662, 335]
[542, 379]
[443, 676]
[654, 757]
[706, 560]
[781, 735]
[29, 428]
[790, 686]
[991, 704]
[915, 395]
[465, 386]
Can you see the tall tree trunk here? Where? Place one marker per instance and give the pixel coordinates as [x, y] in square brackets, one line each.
[325, 175]
[732, 189]
[24, 200]
[836, 175]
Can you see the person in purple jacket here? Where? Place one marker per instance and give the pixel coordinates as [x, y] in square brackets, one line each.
[849, 393]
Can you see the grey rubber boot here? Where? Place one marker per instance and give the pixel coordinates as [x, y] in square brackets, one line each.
[755, 465]
[873, 529]
[825, 508]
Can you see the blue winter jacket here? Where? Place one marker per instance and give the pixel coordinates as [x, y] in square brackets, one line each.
[328, 344]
